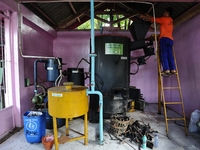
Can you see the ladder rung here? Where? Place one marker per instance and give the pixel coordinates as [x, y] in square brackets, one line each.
[175, 118]
[162, 73]
[162, 90]
[170, 88]
[172, 103]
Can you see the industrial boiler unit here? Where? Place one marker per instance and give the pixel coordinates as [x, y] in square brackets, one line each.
[112, 69]
[112, 73]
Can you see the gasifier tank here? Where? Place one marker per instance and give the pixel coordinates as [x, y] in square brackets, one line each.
[112, 73]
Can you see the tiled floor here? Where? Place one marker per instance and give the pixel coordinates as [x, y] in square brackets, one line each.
[176, 141]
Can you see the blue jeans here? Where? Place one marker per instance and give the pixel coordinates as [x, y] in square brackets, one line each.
[166, 54]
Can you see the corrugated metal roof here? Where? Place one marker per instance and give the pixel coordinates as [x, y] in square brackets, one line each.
[69, 15]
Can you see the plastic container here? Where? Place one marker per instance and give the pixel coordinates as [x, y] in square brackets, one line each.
[156, 141]
[144, 142]
[195, 117]
[48, 142]
[49, 121]
[34, 126]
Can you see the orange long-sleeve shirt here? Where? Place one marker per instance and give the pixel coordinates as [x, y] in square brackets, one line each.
[166, 26]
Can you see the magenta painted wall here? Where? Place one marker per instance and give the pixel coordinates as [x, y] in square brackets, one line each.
[72, 47]
[187, 48]
[37, 40]
[6, 124]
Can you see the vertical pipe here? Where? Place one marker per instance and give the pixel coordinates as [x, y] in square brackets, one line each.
[92, 74]
[92, 44]
[35, 73]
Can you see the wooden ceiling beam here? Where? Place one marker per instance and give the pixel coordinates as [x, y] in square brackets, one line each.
[45, 15]
[187, 14]
[72, 7]
[76, 24]
[67, 22]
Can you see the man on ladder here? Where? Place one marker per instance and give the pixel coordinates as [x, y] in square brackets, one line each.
[166, 40]
[168, 62]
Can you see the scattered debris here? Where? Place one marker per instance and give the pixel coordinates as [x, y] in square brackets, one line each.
[122, 140]
[137, 130]
[133, 130]
[63, 139]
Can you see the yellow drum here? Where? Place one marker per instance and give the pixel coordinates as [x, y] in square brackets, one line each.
[68, 101]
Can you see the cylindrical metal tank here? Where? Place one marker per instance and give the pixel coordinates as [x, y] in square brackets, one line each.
[112, 72]
[67, 101]
[76, 75]
[52, 69]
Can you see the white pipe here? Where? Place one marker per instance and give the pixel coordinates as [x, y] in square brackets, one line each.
[59, 78]
[154, 22]
[20, 38]
[29, 56]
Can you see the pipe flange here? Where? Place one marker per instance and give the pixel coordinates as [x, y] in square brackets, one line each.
[68, 83]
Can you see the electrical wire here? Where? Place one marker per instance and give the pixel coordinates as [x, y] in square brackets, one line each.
[59, 78]
[81, 61]
[136, 70]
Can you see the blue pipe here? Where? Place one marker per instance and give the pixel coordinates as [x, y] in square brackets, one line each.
[101, 140]
[35, 73]
[92, 90]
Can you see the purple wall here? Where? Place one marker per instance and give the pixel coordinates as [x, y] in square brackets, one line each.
[72, 47]
[37, 43]
[37, 40]
[187, 49]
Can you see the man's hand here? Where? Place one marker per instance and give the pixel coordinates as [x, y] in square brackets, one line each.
[142, 16]
[145, 17]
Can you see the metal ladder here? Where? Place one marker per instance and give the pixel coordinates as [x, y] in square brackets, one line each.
[162, 88]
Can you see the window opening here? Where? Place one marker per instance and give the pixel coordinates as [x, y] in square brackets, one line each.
[108, 20]
[2, 64]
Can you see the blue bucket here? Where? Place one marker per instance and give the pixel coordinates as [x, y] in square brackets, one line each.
[34, 126]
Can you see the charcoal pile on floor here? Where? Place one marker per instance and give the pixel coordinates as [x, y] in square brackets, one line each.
[123, 128]
[137, 130]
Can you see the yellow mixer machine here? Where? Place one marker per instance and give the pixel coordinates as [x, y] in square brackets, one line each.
[68, 101]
